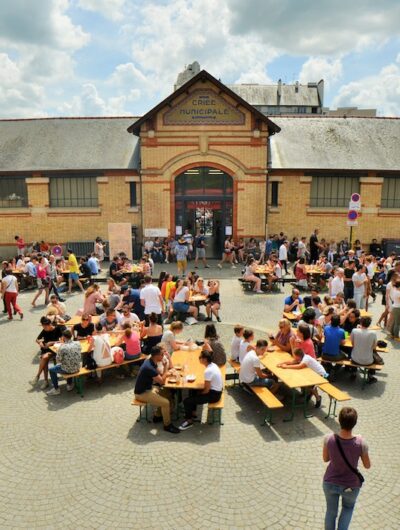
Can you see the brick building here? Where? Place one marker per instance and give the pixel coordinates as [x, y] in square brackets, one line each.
[204, 157]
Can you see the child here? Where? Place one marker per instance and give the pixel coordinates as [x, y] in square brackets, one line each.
[236, 340]
[245, 346]
[131, 341]
[306, 361]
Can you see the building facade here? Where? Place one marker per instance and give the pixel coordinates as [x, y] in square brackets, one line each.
[203, 158]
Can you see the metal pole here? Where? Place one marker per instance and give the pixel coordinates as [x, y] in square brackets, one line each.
[351, 235]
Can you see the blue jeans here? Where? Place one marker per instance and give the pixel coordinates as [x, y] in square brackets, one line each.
[262, 381]
[54, 370]
[332, 494]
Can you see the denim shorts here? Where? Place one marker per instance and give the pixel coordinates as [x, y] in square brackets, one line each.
[181, 307]
[74, 276]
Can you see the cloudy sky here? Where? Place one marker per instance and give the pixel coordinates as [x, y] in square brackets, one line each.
[121, 57]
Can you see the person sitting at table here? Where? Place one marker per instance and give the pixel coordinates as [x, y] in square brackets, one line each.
[236, 340]
[249, 274]
[115, 272]
[364, 342]
[309, 318]
[84, 329]
[294, 302]
[93, 264]
[300, 273]
[152, 333]
[350, 320]
[68, 360]
[340, 304]
[130, 342]
[213, 302]
[146, 393]
[54, 317]
[211, 393]
[245, 345]
[334, 339]
[200, 287]
[166, 364]
[308, 298]
[213, 344]
[93, 296]
[114, 298]
[127, 317]
[325, 318]
[250, 368]
[282, 339]
[85, 270]
[60, 307]
[110, 320]
[303, 340]
[181, 300]
[169, 337]
[46, 339]
[302, 360]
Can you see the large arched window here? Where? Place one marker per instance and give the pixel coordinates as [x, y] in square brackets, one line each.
[203, 181]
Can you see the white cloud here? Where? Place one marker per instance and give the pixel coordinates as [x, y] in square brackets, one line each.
[111, 9]
[381, 91]
[316, 68]
[309, 28]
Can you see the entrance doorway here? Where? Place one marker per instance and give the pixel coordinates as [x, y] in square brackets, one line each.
[204, 201]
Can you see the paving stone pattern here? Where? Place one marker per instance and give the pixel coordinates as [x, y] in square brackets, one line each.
[68, 462]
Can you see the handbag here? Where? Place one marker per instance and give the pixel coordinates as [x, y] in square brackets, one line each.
[353, 469]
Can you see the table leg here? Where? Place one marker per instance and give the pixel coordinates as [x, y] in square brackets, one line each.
[305, 404]
[293, 406]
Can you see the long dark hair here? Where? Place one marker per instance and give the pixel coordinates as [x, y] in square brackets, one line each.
[210, 332]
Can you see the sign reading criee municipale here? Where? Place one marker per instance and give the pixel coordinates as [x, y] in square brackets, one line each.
[204, 107]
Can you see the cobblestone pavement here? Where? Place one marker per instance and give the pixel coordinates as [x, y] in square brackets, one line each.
[68, 462]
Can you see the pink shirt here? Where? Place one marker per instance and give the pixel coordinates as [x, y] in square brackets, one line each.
[89, 305]
[307, 346]
[132, 344]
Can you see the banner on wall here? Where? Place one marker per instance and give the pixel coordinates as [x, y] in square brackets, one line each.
[120, 238]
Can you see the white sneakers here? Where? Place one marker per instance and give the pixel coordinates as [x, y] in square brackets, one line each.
[54, 392]
[70, 387]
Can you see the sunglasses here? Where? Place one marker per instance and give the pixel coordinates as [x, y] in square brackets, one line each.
[85, 320]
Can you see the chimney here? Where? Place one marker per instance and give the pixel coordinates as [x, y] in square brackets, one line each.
[279, 92]
[296, 86]
[320, 89]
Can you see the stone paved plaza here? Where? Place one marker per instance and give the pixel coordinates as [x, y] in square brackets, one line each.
[70, 463]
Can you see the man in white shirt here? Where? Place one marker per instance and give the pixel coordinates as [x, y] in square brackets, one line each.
[336, 284]
[151, 300]
[283, 254]
[250, 369]
[302, 248]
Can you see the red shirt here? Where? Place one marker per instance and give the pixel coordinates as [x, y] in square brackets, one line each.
[307, 346]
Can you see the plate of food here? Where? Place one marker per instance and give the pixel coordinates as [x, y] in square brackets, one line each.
[172, 380]
[190, 378]
[178, 366]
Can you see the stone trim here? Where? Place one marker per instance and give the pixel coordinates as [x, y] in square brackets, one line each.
[132, 179]
[305, 180]
[102, 180]
[273, 178]
[371, 180]
[134, 209]
[37, 180]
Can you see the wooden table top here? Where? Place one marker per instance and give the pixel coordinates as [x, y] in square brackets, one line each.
[196, 297]
[291, 378]
[77, 320]
[312, 270]
[132, 268]
[263, 269]
[189, 361]
[364, 313]
[292, 316]
[85, 344]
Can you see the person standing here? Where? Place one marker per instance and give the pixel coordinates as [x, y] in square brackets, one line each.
[342, 480]
[21, 247]
[181, 252]
[395, 295]
[283, 255]
[9, 291]
[99, 249]
[73, 272]
[200, 244]
[314, 246]
[360, 281]
[188, 238]
[151, 300]
[349, 270]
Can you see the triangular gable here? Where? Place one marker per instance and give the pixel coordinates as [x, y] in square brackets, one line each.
[213, 109]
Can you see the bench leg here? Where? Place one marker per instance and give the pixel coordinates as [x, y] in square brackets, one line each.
[364, 373]
[268, 417]
[143, 416]
[215, 416]
[333, 402]
[79, 385]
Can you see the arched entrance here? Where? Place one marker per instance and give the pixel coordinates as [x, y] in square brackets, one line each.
[204, 200]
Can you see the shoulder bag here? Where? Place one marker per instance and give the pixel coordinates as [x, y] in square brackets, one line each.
[353, 469]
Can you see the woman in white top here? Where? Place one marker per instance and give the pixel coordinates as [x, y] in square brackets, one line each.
[169, 337]
[181, 300]
[9, 292]
[249, 276]
[211, 393]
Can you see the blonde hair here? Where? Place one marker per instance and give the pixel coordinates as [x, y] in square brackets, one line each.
[176, 326]
[285, 322]
[91, 289]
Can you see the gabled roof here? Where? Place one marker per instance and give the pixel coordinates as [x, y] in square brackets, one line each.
[67, 144]
[267, 95]
[203, 75]
[318, 143]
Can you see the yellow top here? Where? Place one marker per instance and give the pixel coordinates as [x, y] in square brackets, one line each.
[73, 264]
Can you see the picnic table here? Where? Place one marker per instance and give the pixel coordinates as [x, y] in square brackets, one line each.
[86, 345]
[131, 269]
[311, 269]
[292, 317]
[95, 319]
[263, 269]
[304, 378]
[197, 298]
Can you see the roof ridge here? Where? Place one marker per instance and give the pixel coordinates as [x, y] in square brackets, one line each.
[70, 118]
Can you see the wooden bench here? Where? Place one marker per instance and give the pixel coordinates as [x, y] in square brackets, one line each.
[268, 399]
[142, 405]
[335, 395]
[79, 376]
[362, 369]
[215, 411]
[236, 369]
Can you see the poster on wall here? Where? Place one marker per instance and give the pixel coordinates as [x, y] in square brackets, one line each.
[228, 230]
[156, 232]
[178, 230]
[120, 238]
